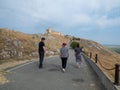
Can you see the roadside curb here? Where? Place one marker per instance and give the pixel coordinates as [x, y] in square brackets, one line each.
[25, 63]
[105, 81]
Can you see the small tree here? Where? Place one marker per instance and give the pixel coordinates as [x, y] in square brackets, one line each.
[73, 44]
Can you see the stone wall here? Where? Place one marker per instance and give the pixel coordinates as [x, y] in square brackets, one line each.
[50, 31]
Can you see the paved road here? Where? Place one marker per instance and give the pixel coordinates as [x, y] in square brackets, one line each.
[30, 77]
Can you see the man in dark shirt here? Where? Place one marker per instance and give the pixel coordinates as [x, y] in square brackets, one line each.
[41, 52]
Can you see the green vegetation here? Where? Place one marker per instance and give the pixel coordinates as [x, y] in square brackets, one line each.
[73, 44]
[75, 38]
[115, 48]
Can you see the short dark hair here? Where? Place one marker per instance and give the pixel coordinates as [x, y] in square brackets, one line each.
[42, 38]
[64, 44]
[78, 45]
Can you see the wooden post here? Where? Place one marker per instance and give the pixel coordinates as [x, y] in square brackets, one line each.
[116, 74]
[90, 55]
[96, 58]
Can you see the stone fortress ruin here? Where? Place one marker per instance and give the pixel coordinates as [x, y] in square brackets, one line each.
[50, 31]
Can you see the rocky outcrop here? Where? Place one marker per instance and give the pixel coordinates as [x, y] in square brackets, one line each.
[17, 45]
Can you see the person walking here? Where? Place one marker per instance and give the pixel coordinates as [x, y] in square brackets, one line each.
[64, 54]
[41, 51]
[78, 51]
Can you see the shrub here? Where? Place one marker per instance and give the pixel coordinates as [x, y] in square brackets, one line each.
[73, 44]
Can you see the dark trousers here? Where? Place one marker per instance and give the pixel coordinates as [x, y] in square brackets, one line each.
[64, 62]
[41, 58]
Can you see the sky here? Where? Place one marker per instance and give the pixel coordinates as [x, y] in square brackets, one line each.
[97, 20]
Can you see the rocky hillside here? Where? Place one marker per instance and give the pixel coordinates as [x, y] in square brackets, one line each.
[107, 58]
[16, 45]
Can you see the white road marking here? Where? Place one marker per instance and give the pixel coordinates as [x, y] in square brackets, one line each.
[14, 68]
[17, 67]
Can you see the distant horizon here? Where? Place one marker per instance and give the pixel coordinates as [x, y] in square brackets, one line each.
[104, 44]
[97, 20]
[111, 44]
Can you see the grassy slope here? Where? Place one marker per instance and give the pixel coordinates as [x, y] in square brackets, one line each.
[105, 56]
[26, 41]
[29, 43]
[52, 42]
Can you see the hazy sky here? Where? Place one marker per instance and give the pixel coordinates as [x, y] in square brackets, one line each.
[98, 20]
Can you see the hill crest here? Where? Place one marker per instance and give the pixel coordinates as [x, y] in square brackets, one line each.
[18, 46]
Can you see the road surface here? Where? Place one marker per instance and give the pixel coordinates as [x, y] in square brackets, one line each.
[50, 77]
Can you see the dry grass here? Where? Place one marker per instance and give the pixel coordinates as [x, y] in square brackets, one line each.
[107, 58]
[52, 42]
[3, 80]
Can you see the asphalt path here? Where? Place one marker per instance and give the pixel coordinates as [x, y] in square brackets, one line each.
[50, 77]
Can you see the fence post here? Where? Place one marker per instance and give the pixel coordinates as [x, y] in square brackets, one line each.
[96, 58]
[116, 74]
[90, 55]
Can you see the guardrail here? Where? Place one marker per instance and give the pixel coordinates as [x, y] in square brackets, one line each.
[116, 67]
